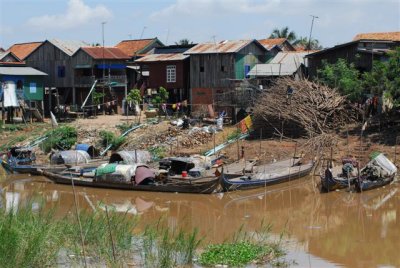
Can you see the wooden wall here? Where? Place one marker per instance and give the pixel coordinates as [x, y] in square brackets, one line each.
[47, 58]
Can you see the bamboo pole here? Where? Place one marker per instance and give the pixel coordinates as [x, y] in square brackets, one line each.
[79, 222]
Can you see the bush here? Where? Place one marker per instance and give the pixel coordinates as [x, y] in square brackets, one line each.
[61, 138]
[107, 138]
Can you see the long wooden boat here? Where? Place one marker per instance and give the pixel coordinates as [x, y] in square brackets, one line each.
[265, 175]
[334, 179]
[205, 185]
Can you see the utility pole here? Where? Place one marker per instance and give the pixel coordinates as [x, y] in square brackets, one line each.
[309, 39]
[104, 64]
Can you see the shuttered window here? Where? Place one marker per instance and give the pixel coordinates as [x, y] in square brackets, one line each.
[171, 74]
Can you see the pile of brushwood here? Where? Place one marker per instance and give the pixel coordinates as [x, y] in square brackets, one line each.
[316, 108]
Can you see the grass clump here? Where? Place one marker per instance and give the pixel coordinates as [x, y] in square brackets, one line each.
[107, 138]
[164, 248]
[28, 239]
[245, 249]
[61, 138]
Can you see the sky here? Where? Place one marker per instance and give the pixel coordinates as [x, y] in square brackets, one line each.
[196, 20]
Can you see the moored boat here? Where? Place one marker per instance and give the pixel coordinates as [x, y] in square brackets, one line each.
[339, 177]
[265, 175]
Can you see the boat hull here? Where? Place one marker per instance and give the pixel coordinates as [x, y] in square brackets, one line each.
[230, 182]
[203, 187]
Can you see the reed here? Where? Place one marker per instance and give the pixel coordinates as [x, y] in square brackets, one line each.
[29, 238]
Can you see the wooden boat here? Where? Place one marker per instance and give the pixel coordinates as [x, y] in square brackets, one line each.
[339, 177]
[265, 175]
[204, 185]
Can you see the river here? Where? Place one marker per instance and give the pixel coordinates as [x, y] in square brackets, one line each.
[325, 230]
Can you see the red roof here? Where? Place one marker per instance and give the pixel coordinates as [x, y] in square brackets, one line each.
[384, 36]
[132, 47]
[111, 53]
[23, 50]
[270, 43]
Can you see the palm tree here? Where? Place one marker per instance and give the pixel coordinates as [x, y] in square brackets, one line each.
[283, 33]
[303, 42]
[183, 42]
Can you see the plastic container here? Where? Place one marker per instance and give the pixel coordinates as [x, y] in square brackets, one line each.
[184, 174]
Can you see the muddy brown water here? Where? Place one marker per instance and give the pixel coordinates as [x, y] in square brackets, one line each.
[326, 230]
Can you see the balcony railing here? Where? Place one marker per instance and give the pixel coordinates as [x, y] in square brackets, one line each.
[87, 81]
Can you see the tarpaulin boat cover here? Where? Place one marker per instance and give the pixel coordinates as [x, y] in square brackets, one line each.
[70, 157]
[90, 149]
[142, 173]
[382, 161]
[131, 157]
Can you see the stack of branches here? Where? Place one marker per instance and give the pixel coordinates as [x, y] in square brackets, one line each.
[318, 109]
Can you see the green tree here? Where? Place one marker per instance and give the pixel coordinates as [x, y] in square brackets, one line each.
[283, 33]
[134, 96]
[304, 43]
[183, 42]
[161, 97]
[385, 77]
[342, 76]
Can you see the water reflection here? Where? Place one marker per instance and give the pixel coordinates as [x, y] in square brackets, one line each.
[354, 230]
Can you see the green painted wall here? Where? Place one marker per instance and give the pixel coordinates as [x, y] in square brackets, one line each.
[241, 62]
[32, 85]
[33, 88]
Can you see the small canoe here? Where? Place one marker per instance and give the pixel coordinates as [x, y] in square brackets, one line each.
[265, 175]
[369, 184]
[205, 185]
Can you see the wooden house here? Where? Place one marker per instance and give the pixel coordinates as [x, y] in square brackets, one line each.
[23, 87]
[214, 68]
[107, 66]
[136, 49]
[167, 67]
[53, 57]
[362, 51]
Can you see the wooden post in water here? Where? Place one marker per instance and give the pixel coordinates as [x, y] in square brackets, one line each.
[295, 151]
[214, 141]
[260, 141]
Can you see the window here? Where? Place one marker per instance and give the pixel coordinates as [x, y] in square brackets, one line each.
[201, 69]
[61, 71]
[222, 68]
[171, 74]
[246, 71]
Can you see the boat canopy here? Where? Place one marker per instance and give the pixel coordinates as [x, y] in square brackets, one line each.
[131, 157]
[384, 163]
[70, 157]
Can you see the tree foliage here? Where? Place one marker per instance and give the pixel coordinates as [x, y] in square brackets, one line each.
[303, 42]
[343, 76]
[184, 42]
[283, 33]
[161, 97]
[134, 96]
[385, 77]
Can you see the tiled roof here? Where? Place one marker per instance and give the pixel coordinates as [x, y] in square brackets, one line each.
[23, 50]
[221, 47]
[132, 47]
[384, 36]
[111, 53]
[163, 57]
[270, 43]
[68, 47]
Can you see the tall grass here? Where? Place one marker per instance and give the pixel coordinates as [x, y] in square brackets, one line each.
[28, 239]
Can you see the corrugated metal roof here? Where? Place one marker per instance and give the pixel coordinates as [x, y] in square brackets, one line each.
[271, 42]
[69, 47]
[132, 47]
[20, 71]
[384, 36]
[284, 63]
[111, 53]
[23, 50]
[163, 57]
[221, 47]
